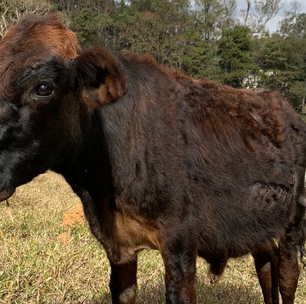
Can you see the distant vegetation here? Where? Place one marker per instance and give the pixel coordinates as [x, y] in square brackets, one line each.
[203, 38]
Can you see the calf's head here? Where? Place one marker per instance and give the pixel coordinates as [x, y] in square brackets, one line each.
[48, 89]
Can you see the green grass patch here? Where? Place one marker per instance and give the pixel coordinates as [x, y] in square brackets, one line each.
[35, 267]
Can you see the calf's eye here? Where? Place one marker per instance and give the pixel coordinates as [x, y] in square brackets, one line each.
[44, 90]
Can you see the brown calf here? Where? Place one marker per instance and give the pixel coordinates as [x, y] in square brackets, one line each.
[159, 160]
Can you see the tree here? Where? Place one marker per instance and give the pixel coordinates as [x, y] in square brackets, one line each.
[94, 21]
[93, 27]
[228, 15]
[235, 56]
[259, 12]
[289, 18]
[195, 58]
[293, 23]
[283, 61]
[12, 10]
[207, 15]
[71, 6]
[292, 28]
[156, 27]
[208, 21]
[85, 24]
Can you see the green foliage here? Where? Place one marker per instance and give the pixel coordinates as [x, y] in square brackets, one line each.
[195, 55]
[271, 55]
[156, 28]
[294, 25]
[283, 63]
[85, 25]
[93, 27]
[235, 55]
[207, 16]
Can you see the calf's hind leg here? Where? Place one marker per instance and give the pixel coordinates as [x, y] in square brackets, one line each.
[288, 253]
[123, 282]
[288, 269]
[266, 264]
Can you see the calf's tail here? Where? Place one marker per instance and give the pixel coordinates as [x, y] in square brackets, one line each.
[302, 244]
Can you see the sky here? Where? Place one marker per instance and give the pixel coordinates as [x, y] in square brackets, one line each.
[273, 24]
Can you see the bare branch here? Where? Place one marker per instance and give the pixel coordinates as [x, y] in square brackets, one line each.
[247, 12]
[259, 12]
[12, 10]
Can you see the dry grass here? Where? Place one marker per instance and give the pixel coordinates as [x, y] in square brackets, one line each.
[35, 267]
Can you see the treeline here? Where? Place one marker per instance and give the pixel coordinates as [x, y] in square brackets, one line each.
[203, 38]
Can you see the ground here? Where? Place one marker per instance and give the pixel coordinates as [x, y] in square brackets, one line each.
[71, 218]
[37, 268]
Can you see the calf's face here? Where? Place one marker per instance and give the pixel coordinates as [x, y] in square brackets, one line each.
[46, 90]
[36, 112]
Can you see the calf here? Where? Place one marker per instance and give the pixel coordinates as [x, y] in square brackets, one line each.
[188, 167]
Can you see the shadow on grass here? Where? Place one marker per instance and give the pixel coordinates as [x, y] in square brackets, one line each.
[221, 293]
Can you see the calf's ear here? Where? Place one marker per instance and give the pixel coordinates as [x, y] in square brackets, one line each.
[99, 77]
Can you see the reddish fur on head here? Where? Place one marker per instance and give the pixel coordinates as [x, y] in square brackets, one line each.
[32, 39]
[45, 31]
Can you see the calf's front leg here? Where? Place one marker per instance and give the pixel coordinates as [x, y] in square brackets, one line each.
[123, 282]
[180, 277]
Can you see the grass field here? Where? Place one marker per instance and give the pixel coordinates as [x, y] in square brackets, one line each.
[35, 267]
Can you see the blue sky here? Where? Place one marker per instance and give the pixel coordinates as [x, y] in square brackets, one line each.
[272, 25]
